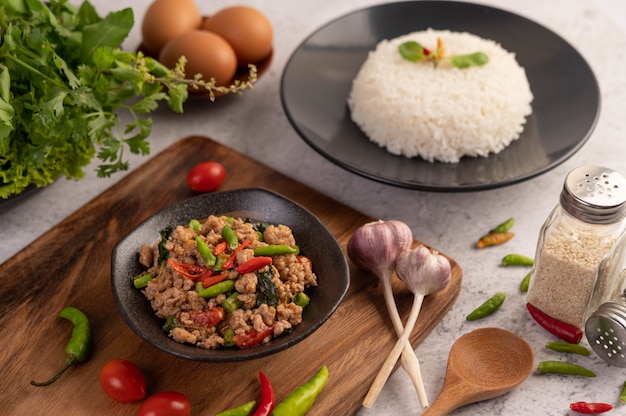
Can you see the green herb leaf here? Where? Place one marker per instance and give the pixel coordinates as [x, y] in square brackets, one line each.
[411, 51]
[266, 289]
[466, 61]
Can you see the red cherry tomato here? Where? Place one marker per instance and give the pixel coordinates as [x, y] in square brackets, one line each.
[123, 381]
[166, 403]
[206, 176]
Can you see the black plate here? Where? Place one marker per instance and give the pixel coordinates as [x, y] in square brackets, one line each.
[318, 77]
[314, 239]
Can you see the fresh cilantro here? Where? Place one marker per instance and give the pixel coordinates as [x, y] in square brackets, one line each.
[63, 80]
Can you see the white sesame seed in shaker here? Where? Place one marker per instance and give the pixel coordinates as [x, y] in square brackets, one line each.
[577, 234]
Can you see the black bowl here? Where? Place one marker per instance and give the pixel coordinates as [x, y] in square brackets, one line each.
[314, 239]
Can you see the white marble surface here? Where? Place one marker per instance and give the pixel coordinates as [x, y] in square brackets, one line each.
[450, 222]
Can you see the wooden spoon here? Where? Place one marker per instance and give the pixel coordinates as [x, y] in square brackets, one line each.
[483, 364]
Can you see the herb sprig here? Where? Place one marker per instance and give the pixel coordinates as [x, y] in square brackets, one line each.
[414, 52]
[63, 80]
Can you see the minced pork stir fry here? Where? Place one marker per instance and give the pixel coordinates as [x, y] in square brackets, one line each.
[226, 282]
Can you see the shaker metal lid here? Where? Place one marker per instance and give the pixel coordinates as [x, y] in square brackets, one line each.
[594, 194]
[605, 330]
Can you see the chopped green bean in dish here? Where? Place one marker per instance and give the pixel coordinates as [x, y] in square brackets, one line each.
[227, 282]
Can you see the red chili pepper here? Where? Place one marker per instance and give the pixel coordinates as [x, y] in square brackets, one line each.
[267, 397]
[255, 263]
[211, 280]
[190, 271]
[563, 330]
[231, 260]
[252, 337]
[209, 318]
[590, 408]
[220, 248]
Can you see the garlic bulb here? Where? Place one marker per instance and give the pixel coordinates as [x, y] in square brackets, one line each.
[375, 245]
[424, 272]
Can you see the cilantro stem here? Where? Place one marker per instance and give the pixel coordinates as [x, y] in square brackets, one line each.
[32, 69]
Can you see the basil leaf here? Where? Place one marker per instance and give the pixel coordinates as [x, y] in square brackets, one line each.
[266, 289]
[411, 51]
[466, 61]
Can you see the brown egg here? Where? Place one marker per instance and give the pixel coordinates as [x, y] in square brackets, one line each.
[248, 31]
[166, 19]
[207, 54]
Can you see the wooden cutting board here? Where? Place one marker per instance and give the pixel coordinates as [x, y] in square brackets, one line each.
[70, 265]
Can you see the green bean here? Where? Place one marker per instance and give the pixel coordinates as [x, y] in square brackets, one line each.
[562, 346]
[523, 285]
[230, 237]
[488, 307]
[301, 299]
[232, 303]
[205, 252]
[276, 250]
[505, 226]
[141, 281]
[517, 260]
[195, 225]
[229, 337]
[79, 346]
[560, 367]
[622, 396]
[243, 410]
[216, 289]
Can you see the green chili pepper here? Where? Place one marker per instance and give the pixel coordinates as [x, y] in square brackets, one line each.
[276, 250]
[505, 226]
[523, 286]
[232, 303]
[301, 399]
[562, 346]
[230, 237]
[488, 307]
[216, 289]
[230, 220]
[205, 252]
[517, 260]
[301, 299]
[141, 281]
[560, 367]
[195, 225]
[79, 346]
[622, 396]
[243, 410]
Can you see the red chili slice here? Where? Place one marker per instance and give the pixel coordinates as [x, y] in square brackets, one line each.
[209, 318]
[252, 337]
[253, 264]
[190, 271]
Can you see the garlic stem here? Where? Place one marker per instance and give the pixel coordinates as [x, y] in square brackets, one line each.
[409, 360]
[392, 358]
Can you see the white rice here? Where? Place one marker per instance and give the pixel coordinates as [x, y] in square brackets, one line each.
[443, 113]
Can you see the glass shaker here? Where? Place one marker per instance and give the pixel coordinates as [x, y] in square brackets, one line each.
[576, 236]
[605, 317]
